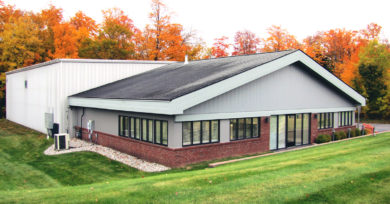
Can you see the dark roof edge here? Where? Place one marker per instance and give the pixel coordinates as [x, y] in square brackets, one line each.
[35, 66]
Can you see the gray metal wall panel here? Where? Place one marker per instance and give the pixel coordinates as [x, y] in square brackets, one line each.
[285, 89]
[107, 121]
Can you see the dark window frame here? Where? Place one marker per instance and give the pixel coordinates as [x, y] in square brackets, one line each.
[201, 133]
[325, 120]
[134, 124]
[235, 135]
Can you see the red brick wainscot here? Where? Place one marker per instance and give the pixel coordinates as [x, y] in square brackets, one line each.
[187, 155]
[315, 131]
[328, 131]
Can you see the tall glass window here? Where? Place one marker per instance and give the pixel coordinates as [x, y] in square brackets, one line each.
[200, 132]
[144, 129]
[196, 134]
[345, 118]
[154, 131]
[298, 129]
[205, 131]
[165, 133]
[132, 128]
[282, 131]
[244, 128]
[273, 132]
[137, 128]
[187, 129]
[325, 120]
[306, 128]
[215, 131]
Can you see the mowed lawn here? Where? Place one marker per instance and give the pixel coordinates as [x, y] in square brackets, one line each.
[354, 171]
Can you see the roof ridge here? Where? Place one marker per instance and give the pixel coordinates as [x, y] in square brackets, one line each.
[257, 53]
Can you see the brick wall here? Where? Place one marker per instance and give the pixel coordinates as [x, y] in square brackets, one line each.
[329, 130]
[186, 155]
[315, 132]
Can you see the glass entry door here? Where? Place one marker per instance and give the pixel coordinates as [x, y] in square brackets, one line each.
[290, 130]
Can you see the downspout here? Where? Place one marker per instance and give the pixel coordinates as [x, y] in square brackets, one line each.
[81, 125]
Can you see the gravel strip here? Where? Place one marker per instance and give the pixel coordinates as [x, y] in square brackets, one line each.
[77, 145]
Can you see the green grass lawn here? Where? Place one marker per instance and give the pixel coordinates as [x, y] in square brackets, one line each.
[354, 171]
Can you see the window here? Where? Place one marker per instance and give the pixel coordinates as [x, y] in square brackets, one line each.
[200, 132]
[345, 118]
[244, 128]
[25, 84]
[153, 131]
[325, 120]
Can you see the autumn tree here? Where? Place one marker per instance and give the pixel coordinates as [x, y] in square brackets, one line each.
[279, 39]
[220, 47]
[46, 20]
[164, 40]
[374, 65]
[6, 12]
[115, 39]
[65, 41]
[245, 42]
[85, 27]
[20, 43]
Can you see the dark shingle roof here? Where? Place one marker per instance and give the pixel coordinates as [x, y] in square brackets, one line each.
[178, 79]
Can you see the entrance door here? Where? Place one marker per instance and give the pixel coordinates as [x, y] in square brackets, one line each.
[290, 130]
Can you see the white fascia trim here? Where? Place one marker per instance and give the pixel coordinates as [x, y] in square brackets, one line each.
[218, 116]
[207, 93]
[156, 107]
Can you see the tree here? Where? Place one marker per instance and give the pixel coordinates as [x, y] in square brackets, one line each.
[65, 41]
[6, 12]
[220, 47]
[245, 42]
[374, 65]
[279, 39]
[20, 43]
[115, 40]
[45, 21]
[85, 26]
[163, 39]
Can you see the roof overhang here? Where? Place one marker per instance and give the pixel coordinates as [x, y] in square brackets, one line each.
[178, 105]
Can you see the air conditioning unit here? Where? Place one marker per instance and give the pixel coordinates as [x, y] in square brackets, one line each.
[61, 141]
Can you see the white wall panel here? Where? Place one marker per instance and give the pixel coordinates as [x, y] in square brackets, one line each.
[50, 85]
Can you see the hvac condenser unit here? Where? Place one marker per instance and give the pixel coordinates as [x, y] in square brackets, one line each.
[61, 141]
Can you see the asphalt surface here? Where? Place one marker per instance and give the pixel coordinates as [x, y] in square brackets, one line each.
[381, 127]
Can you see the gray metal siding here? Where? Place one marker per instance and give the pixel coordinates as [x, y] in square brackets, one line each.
[107, 121]
[285, 89]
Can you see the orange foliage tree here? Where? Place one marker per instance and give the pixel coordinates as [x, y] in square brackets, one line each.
[65, 41]
[279, 39]
[163, 40]
[220, 47]
[245, 42]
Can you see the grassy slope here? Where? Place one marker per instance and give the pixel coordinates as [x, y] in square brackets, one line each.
[355, 171]
[23, 165]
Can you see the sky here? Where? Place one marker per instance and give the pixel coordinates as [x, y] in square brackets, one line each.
[211, 19]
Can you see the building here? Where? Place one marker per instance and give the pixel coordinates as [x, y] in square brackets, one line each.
[44, 88]
[184, 113]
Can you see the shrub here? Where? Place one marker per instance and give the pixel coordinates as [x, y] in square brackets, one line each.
[357, 132]
[353, 133]
[364, 132]
[323, 138]
[340, 135]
